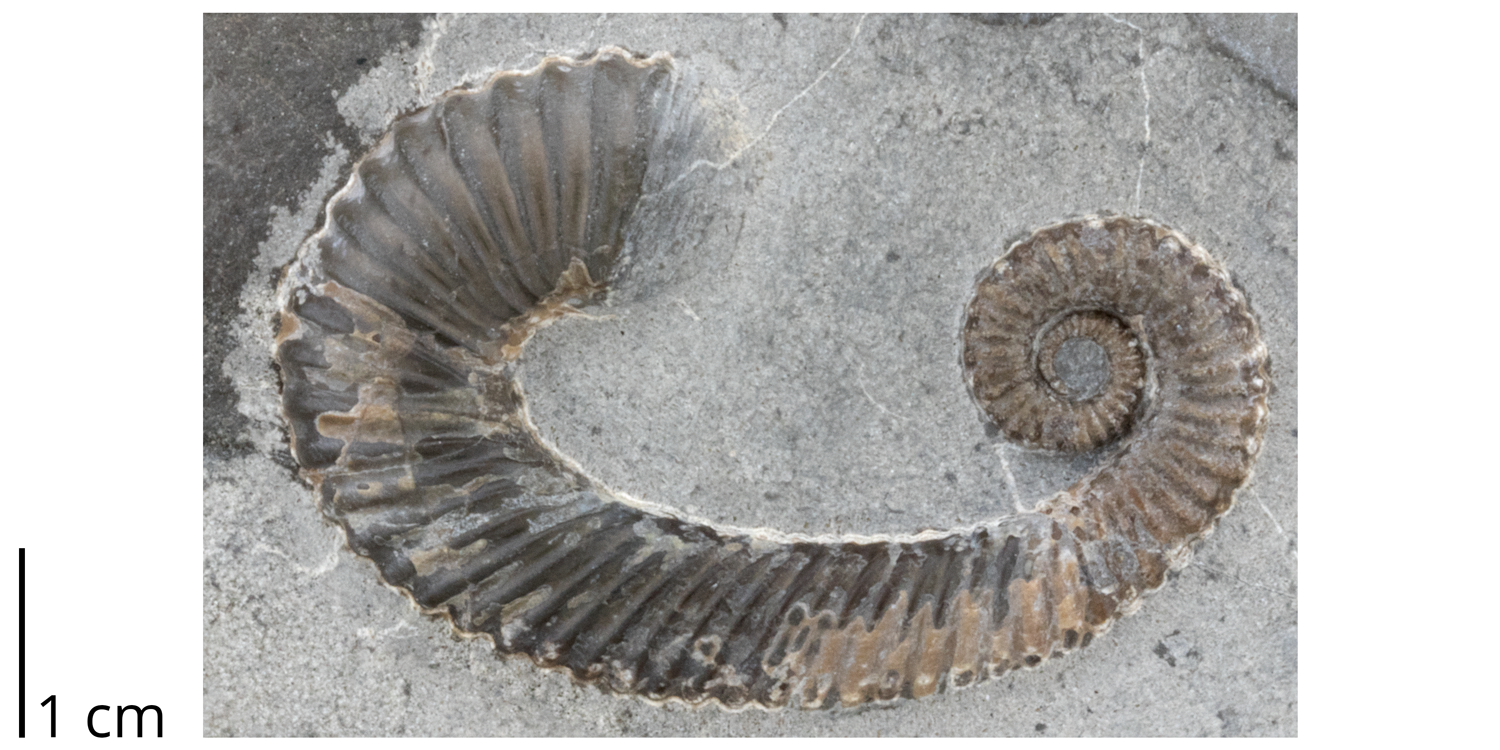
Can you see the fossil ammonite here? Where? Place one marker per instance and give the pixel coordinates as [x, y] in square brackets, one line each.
[498, 208]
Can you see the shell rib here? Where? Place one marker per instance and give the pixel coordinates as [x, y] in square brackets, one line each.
[478, 219]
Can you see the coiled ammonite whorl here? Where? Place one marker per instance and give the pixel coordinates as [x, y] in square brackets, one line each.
[480, 218]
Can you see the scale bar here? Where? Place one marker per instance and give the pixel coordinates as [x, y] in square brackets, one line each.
[21, 714]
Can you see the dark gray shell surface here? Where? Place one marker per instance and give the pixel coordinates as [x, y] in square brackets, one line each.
[479, 219]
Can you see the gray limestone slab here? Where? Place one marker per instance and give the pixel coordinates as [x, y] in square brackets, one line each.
[792, 360]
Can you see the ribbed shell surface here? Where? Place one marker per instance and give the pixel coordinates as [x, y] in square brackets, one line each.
[481, 217]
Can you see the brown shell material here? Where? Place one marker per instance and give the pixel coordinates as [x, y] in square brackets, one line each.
[478, 219]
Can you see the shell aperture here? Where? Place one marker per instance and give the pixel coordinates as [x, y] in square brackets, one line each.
[480, 218]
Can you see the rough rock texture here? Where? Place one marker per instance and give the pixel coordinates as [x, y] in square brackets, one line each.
[1265, 42]
[268, 85]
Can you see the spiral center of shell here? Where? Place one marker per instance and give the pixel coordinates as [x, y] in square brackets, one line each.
[1081, 368]
[1087, 355]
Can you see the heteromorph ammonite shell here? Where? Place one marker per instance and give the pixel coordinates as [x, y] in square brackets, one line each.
[476, 220]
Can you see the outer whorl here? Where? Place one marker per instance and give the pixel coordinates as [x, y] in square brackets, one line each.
[481, 217]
